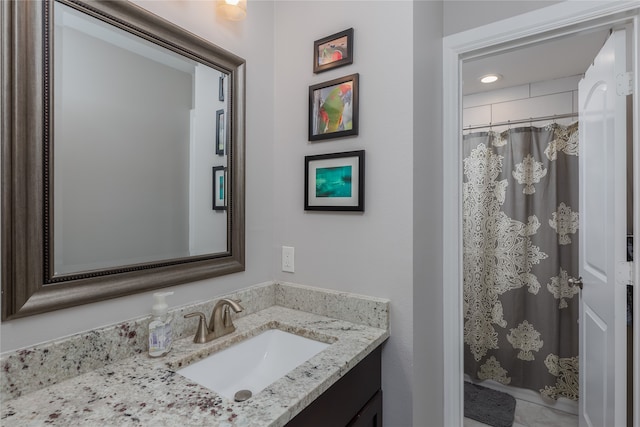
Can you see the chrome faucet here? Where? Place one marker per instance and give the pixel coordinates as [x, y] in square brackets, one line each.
[220, 323]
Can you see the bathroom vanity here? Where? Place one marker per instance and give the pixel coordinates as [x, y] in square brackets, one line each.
[117, 383]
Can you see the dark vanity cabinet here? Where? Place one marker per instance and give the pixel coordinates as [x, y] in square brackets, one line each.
[355, 400]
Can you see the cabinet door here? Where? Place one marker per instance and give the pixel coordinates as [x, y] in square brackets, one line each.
[371, 413]
[344, 400]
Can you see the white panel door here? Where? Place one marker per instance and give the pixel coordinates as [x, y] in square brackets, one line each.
[603, 239]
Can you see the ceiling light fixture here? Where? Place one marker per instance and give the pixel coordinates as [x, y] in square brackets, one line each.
[233, 10]
[490, 78]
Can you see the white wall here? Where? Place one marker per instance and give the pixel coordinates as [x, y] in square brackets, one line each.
[537, 99]
[251, 39]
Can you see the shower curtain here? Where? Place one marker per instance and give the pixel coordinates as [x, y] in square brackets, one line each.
[520, 245]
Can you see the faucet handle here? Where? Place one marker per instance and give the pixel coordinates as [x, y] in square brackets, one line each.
[233, 303]
[201, 334]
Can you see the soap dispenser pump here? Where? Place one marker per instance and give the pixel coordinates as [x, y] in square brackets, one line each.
[160, 333]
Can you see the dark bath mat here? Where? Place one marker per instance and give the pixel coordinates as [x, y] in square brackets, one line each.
[491, 407]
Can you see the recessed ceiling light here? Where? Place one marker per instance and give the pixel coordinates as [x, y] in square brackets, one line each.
[490, 78]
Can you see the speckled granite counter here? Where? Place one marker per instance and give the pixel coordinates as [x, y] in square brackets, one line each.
[138, 390]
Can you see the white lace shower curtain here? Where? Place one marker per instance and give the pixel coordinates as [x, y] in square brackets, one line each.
[520, 249]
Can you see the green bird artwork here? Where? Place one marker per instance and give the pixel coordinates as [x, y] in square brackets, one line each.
[335, 112]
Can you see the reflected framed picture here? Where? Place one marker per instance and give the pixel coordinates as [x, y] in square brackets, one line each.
[219, 188]
[333, 108]
[334, 182]
[333, 51]
[221, 88]
[220, 133]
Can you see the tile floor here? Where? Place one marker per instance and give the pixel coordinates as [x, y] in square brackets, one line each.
[532, 415]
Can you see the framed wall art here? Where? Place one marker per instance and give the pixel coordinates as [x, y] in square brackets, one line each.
[219, 188]
[334, 182]
[333, 51]
[220, 133]
[333, 108]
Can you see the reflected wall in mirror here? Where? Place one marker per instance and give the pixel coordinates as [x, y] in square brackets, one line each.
[135, 192]
[109, 142]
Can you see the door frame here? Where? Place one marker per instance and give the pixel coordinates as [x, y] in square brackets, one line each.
[554, 21]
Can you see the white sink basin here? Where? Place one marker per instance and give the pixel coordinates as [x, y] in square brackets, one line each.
[254, 363]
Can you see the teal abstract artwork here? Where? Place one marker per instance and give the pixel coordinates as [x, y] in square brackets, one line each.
[334, 182]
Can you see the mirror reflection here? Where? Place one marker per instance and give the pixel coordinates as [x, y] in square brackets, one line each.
[126, 166]
[139, 150]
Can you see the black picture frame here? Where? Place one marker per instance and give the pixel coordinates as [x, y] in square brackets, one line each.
[219, 188]
[220, 133]
[334, 182]
[333, 51]
[334, 108]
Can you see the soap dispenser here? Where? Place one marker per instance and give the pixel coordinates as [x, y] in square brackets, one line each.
[160, 334]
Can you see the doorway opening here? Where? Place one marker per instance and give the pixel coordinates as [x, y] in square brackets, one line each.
[520, 310]
[529, 30]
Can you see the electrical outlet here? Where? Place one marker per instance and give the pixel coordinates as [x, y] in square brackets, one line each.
[288, 259]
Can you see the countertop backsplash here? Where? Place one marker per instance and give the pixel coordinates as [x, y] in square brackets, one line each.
[43, 365]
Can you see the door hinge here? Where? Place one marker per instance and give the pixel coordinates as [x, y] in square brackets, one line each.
[624, 84]
[624, 273]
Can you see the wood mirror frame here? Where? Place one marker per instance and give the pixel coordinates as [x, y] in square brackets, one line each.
[27, 287]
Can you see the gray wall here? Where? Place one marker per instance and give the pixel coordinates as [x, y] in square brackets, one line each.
[466, 14]
[118, 209]
[207, 228]
[370, 252]
[428, 335]
[251, 39]
[393, 249]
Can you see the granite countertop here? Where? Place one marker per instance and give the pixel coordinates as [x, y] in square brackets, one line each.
[140, 390]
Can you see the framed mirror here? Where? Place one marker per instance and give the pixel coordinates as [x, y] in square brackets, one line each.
[111, 134]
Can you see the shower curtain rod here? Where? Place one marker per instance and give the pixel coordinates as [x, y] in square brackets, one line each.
[515, 122]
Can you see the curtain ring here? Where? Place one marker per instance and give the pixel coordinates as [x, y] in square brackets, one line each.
[468, 129]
